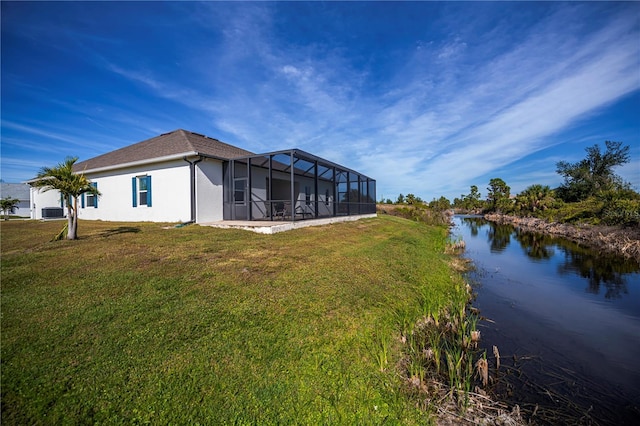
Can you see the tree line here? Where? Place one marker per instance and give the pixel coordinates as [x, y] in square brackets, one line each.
[591, 192]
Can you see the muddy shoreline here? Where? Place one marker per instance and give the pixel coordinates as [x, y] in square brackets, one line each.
[613, 240]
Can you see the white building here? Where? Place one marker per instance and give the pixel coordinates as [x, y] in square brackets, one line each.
[20, 192]
[183, 176]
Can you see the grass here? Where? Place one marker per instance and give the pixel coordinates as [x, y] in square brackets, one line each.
[136, 324]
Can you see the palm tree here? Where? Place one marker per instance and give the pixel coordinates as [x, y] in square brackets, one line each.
[534, 198]
[70, 185]
[7, 205]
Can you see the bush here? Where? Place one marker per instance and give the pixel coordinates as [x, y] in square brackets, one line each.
[621, 212]
[418, 213]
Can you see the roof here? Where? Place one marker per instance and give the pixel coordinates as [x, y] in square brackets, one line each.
[172, 144]
[14, 190]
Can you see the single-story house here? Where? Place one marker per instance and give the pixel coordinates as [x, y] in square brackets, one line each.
[17, 191]
[183, 176]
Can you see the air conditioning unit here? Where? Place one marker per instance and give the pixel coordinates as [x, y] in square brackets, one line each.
[52, 212]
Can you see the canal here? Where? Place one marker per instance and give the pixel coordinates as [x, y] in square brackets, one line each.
[565, 321]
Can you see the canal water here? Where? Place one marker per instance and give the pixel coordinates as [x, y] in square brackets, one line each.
[565, 321]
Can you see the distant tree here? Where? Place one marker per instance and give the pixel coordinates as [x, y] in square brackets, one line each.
[457, 202]
[593, 174]
[441, 203]
[400, 199]
[70, 185]
[472, 200]
[8, 206]
[535, 198]
[498, 196]
[410, 199]
[355, 196]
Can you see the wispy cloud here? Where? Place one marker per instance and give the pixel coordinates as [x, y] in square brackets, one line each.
[444, 131]
[40, 130]
[463, 99]
[506, 111]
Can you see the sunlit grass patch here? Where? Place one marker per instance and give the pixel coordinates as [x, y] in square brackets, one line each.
[134, 323]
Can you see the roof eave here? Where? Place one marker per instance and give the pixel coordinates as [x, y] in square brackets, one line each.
[149, 161]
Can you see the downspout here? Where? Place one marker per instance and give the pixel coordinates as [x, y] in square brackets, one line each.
[192, 172]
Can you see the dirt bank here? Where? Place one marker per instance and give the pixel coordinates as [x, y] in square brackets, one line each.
[610, 239]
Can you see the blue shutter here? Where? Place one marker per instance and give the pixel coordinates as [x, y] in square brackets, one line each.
[134, 191]
[95, 197]
[148, 191]
[82, 200]
[61, 201]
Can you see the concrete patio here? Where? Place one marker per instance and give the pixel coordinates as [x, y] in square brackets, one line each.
[272, 227]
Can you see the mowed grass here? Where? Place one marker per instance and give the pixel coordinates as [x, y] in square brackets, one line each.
[136, 324]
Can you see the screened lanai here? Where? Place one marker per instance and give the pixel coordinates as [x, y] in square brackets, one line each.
[294, 185]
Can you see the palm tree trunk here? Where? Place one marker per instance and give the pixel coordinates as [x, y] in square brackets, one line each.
[72, 229]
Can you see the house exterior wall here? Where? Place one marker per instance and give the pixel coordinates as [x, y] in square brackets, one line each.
[42, 199]
[325, 198]
[209, 190]
[259, 198]
[170, 194]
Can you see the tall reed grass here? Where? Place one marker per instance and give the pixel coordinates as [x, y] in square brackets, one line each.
[441, 346]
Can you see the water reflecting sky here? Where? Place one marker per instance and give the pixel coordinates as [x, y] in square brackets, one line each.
[550, 298]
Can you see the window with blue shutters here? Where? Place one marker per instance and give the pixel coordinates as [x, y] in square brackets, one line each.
[88, 199]
[141, 191]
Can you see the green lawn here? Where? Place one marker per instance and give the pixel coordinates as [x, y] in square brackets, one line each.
[138, 324]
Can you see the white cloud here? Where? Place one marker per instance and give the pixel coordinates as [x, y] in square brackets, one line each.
[448, 112]
[511, 107]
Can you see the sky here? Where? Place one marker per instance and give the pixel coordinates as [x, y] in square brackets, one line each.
[427, 98]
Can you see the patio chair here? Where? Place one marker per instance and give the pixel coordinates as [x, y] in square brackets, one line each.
[281, 210]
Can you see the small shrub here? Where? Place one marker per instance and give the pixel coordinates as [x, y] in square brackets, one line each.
[621, 212]
[418, 212]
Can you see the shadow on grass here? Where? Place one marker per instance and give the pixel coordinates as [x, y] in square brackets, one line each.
[120, 230]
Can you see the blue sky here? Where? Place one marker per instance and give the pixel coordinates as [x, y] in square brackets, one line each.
[426, 97]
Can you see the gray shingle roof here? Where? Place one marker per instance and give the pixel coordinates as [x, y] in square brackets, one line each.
[167, 144]
[14, 190]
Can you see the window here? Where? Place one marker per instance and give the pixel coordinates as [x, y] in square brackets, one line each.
[307, 195]
[141, 191]
[91, 200]
[88, 199]
[326, 197]
[240, 190]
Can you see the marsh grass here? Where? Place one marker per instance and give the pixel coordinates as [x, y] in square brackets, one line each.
[135, 324]
[440, 347]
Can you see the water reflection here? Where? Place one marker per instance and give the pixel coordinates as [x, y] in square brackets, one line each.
[536, 246]
[474, 224]
[572, 312]
[499, 237]
[598, 270]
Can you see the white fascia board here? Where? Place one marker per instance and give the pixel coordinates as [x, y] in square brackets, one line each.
[142, 162]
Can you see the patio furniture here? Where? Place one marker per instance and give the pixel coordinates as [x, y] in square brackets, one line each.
[281, 209]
